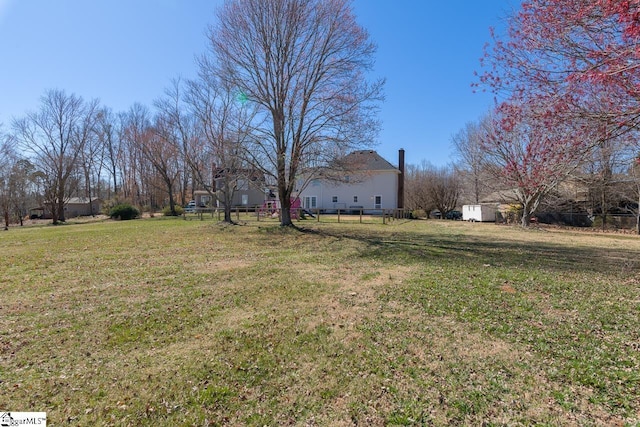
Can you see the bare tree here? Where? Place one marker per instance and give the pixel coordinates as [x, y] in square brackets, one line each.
[467, 144]
[55, 137]
[602, 173]
[108, 131]
[138, 172]
[429, 187]
[22, 187]
[225, 128]
[178, 127]
[7, 159]
[443, 188]
[92, 162]
[416, 188]
[303, 64]
[154, 144]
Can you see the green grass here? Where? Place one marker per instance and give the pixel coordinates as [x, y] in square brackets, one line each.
[164, 321]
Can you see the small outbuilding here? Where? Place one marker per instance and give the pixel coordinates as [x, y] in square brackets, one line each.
[82, 206]
[480, 213]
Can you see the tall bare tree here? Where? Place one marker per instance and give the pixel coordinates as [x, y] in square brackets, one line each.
[178, 127]
[303, 64]
[156, 164]
[429, 187]
[137, 170]
[108, 131]
[467, 144]
[225, 130]
[444, 188]
[416, 187]
[7, 159]
[55, 137]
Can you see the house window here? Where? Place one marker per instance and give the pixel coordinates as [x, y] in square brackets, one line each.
[310, 202]
[377, 202]
[347, 178]
[334, 199]
[245, 199]
[355, 199]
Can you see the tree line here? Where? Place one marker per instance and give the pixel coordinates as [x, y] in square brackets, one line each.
[563, 133]
[281, 91]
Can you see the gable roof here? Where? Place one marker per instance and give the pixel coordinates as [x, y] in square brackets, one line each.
[367, 160]
[82, 200]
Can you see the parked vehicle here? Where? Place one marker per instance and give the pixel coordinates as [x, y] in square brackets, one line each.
[190, 207]
[454, 215]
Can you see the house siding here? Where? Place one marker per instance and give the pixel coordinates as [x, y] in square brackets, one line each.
[366, 175]
[379, 183]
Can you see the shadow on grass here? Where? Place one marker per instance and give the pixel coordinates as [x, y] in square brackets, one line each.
[409, 248]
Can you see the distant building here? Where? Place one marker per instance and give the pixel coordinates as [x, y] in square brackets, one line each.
[75, 206]
[249, 189]
[365, 181]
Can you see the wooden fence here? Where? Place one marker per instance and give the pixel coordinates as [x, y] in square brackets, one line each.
[337, 215]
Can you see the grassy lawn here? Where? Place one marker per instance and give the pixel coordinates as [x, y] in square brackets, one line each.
[171, 322]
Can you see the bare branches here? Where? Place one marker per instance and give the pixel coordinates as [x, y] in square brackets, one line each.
[302, 64]
[56, 136]
[429, 187]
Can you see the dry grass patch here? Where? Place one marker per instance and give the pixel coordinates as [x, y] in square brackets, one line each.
[164, 321]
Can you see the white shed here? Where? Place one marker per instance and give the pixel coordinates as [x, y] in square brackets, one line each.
[478, 213]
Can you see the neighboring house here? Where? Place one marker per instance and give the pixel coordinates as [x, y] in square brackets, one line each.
[82, 206]
[370, 183]
[249, 191]
[76, 206]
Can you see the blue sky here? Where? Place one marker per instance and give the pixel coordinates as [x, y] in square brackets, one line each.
[126, 51]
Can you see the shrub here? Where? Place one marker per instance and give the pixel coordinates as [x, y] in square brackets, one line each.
[124, 211]
[418, 213]
[178, 209]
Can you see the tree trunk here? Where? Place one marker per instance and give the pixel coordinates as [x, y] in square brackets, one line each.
[228, 199]
[54, 213]
[60, 207]
[285, 207]
[526, 216]
[285, 217]
[638, 216]
[172, 204]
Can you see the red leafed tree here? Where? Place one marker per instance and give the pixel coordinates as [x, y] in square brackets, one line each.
[588, 50]
[529, 149]
[570, 73]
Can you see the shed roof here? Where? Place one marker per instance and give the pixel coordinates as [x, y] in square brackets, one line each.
[82, 200]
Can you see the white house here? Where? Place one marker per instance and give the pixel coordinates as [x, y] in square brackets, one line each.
[371, 183]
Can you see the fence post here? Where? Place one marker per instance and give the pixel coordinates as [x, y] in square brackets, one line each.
[338, 215]
[361, 216]
[383, 217]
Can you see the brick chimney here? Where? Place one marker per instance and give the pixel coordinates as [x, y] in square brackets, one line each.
[401, 179]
